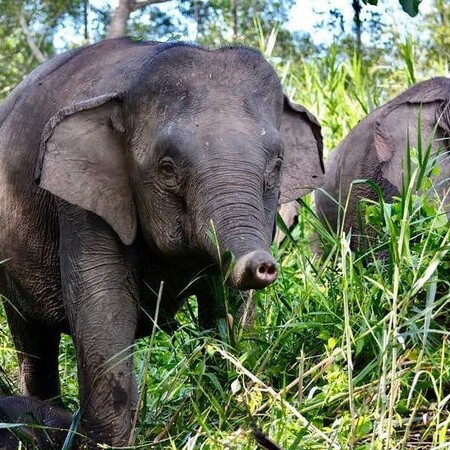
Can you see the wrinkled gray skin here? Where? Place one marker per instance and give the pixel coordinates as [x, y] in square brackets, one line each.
[114, 161]
[376, 149]
[27, 410]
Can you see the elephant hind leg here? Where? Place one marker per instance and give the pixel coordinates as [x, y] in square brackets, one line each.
[37, 351]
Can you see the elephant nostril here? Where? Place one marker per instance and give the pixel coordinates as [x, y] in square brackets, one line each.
[267, 272]
[268, 269]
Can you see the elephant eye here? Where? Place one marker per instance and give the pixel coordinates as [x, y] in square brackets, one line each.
[167, 166]
[168, 171]
[272, 174]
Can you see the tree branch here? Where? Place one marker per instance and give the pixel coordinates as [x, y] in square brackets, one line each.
[35, 50]
[136, 4]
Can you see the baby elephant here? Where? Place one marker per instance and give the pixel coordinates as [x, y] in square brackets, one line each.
[131, 169]
[49, 424]
[376, 150]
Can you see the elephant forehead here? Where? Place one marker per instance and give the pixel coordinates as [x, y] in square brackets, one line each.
[191, 72]
[223, 64]
[219, 131]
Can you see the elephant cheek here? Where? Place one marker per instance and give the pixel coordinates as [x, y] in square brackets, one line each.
[164, 230]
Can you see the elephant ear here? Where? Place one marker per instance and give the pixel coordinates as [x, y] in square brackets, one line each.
[398, 120]
[302, 169]
[398, 127]
[82, 161]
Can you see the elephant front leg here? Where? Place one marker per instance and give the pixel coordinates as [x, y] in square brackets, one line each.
[99, 290]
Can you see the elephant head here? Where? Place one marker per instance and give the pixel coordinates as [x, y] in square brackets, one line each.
[199, 141]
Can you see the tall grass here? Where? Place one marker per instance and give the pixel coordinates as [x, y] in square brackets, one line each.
[349, 349]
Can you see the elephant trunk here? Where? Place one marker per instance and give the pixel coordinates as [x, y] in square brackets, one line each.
[237, 222]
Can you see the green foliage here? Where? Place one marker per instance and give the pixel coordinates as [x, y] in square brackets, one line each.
[214, 20]
[43, 19]
[8, 362]
[148, 23]
[218, 22]
[411, 7]
[438, 22]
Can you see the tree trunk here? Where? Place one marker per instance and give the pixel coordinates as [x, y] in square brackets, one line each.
[197, 17]
[85, 20]
[118, 25]
[234, 8]
[356, 5]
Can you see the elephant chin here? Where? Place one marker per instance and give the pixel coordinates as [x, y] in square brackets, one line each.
[254, 270]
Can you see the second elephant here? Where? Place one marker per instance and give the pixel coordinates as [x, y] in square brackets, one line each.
[376, 150]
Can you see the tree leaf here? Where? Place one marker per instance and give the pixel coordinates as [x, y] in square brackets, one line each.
[411, 7]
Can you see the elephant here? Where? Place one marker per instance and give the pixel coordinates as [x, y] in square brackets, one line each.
[30, 411]
[376, 150]
[128, 171]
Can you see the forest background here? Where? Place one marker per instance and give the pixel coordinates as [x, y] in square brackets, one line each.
[33, 31]
[348, 350]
